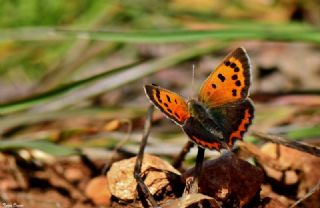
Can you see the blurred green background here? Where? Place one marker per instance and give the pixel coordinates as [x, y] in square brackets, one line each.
[70, 59]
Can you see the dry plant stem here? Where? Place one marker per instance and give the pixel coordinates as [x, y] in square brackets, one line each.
[57, 172]
[312, 191]
[193, 189]
[118, 146]
[180, 158]
[139, 160]
[85, 159]
[286, 142]
[199, 163]
[17, 173]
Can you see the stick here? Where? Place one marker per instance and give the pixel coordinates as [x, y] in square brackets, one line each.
[180, 158]
[114, 152]
[138, 165]
[194, 187]
[289, 143]
[312, 191]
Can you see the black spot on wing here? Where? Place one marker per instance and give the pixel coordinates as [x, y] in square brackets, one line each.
[238, 83]
[221, 77]
[234, 77]
[234, 92]
[168, 98]
[158, 95]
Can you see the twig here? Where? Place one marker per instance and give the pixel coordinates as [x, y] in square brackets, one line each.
[138, 165]
[312, 191]
[289, 143]
[198, 168]
[17, 173]
[58, 173]
[118, 146]
[192, 183]
[179, 159]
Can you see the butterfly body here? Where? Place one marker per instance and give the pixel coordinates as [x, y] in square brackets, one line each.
[202, 125]
[221, 114]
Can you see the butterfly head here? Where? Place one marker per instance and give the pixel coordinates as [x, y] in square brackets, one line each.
[195, 108]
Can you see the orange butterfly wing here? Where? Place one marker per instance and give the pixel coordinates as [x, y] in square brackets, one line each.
[229, 82]
[243, 126]
[170, 103]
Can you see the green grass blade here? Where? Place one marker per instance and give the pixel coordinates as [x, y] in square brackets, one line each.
[125, 77]
[224, 34]
[17, 119]
[75, 92]
[26, 103]
[228, 32]
[303, 133]
[43, 145]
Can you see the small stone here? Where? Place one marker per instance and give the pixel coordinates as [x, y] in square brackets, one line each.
[156, 172]
[97, 190]
[73, 174]
[229, 178]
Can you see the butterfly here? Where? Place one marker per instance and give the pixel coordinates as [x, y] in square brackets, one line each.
[222, 113]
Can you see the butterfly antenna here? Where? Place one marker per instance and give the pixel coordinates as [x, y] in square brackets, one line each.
[192, 81]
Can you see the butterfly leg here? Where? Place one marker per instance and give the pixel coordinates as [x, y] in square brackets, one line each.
[139, 160]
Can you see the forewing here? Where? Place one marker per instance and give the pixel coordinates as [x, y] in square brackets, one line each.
[170, 103]
[229, 82]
